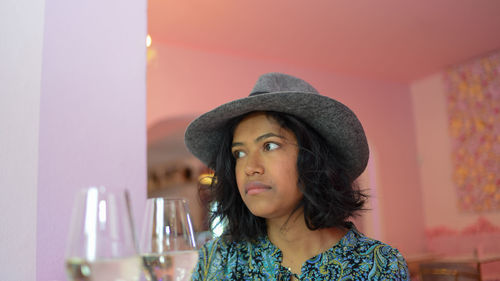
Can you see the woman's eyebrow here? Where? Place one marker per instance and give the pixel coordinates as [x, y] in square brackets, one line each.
[268, 135]
[259, 138]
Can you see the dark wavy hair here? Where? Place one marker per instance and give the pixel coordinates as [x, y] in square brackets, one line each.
[330, 196]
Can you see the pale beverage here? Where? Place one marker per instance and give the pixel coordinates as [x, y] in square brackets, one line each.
[117, 269]
[171, 266]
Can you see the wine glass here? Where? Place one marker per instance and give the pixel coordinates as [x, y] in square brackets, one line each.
[168, 245]
[101, 244]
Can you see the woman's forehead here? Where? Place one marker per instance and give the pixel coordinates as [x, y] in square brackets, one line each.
[258, 123]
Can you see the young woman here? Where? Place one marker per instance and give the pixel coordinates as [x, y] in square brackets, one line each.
[285, 161]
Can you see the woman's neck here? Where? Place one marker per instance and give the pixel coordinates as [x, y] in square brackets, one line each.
[297, 242]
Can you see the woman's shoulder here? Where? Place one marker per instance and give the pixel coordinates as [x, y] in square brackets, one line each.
[215, 247]
[212, 261]
[224, 247]
[359, 244]
[377, 250]
[371, 255]
[219, 258]
[354, 239]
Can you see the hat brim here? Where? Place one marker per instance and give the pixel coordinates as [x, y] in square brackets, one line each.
[330, 118]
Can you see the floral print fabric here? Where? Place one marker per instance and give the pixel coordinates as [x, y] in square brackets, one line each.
[473, 102]
[354, 257]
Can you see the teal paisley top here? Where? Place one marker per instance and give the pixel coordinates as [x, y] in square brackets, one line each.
[354, 257]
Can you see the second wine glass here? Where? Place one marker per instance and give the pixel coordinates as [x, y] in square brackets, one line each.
[168, 245]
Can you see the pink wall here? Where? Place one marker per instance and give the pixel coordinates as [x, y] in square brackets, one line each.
[92, 114]
[449, 230]
[183, 81]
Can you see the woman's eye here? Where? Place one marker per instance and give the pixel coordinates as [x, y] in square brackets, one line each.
[270, 146]
[238, 154]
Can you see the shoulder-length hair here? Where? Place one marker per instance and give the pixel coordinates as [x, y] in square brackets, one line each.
[330, 196]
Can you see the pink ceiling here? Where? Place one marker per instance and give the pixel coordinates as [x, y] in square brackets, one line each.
[384, 39]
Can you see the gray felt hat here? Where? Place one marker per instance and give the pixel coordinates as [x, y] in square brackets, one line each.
[284, 93]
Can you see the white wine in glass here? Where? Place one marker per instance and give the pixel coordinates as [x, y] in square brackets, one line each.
[101, 244]
[168, 246]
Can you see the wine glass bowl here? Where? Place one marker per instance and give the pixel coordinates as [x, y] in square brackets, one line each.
[101, 243]
[168, 245]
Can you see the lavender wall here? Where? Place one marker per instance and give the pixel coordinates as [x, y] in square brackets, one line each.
[92, 114]
[184, 81]
[21, 33]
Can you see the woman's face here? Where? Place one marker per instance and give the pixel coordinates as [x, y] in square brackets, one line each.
[266, 166]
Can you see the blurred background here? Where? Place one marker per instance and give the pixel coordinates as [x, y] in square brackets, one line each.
[423, 77]
[84, 102]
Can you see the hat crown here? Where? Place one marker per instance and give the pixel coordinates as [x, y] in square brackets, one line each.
[279, 82]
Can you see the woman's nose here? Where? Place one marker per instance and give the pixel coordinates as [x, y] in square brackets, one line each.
[254, 165]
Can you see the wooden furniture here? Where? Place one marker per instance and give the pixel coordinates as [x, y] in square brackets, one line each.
[455, 268]
[439, 271]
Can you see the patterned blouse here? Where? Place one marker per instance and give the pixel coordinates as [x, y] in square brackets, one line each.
[354, 257]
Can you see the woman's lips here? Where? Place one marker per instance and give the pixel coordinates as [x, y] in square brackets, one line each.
[253, 188]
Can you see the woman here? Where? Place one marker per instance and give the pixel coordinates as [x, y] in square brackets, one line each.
[285, 161]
